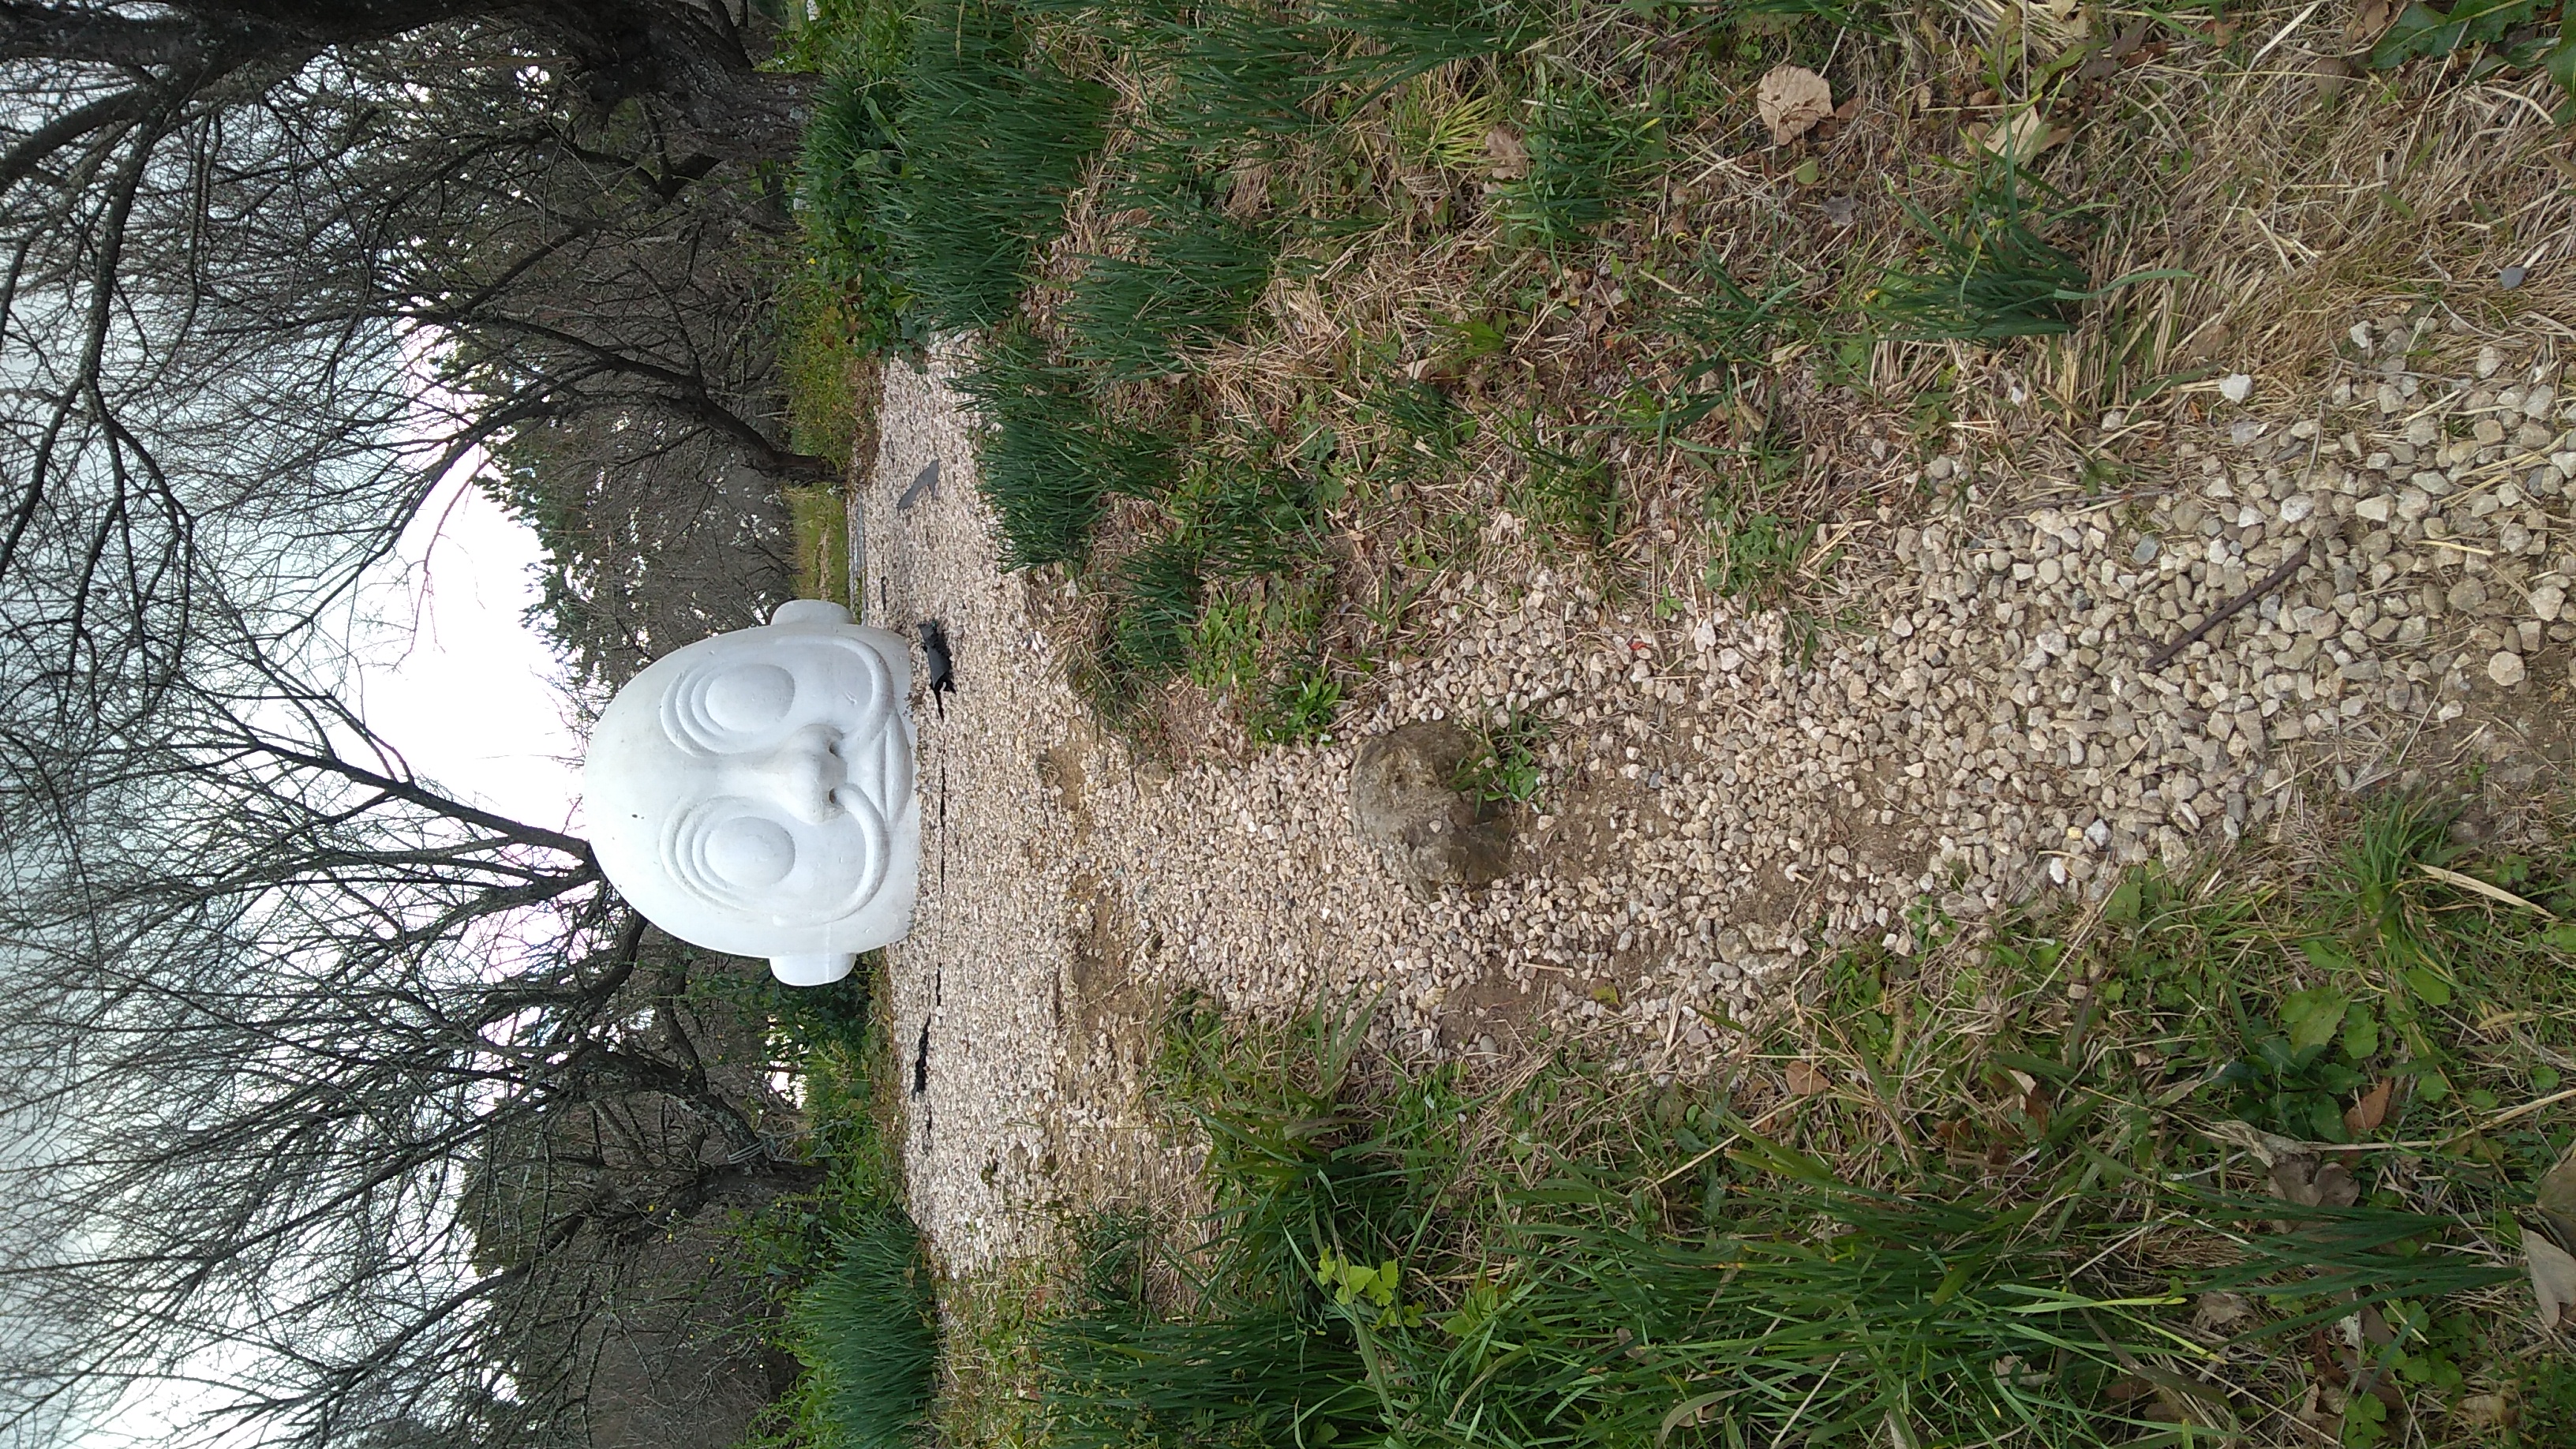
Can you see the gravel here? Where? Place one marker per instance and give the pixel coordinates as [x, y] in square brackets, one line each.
[1726, 796]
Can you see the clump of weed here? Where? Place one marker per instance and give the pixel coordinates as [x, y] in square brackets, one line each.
[867, 1332]
[1156, 589]
[1571, 494]
[1300, 707]
[1051, 457]
[1991, 272]
[1185, 278]
[1588, 155]
[1508, 762]
[1224, 644]
[1753, 552]
[1246, 516]
[993, 140]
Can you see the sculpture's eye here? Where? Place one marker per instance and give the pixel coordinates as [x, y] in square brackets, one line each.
[748, 698]
[749, 853]
[729, 708]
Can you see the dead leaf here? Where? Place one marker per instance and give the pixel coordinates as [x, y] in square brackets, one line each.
[2302, 1172]
[2020, 136]
[2556, 1199]
[1840, 210]
[2366, 1114]
[1505, 154]
[2217, 1312]
[2034, 1105]
[2105, 62]
[2313, 1181]
[2330, 74]
[1791, 100]
[2368, 21]
[1806, 1079]
[2471, 883]
[2553, 1277]
[2266, 1148]
[2204, 344]
[2484, 1411]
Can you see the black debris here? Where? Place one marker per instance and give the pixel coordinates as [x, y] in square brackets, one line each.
[921, 1062]
[938, 668]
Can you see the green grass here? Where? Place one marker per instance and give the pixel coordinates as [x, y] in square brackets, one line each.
[846, 37]
[1247, 73]
[1051, 458]
[1990, 271]
[818, 524]
[1224, 644]
[834, 1261]
[867, 1332]
[1997, 1215]
[1254, 647]
[1755, 552]
[843, 174]
[994, 138]
[1588, 155]
[1157, 590]
[1571, 494]
[822, 347]
[1186, 278]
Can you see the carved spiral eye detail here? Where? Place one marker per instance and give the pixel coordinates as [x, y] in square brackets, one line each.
[748, 853]
[726, 708]
[739, 854]
[748, 698]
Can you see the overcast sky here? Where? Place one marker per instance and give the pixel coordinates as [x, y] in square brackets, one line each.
[450, 673]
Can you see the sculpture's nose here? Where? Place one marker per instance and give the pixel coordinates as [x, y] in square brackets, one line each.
[800, 775]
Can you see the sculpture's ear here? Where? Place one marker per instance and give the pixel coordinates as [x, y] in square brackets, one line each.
[821, 613]
[821, 968]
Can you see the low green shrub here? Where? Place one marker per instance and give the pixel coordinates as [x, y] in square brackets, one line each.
[867, 1331]
[1050, 457]
[994, 138]
[1186, 278]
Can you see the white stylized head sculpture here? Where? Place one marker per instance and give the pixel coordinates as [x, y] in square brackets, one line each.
[752, 793]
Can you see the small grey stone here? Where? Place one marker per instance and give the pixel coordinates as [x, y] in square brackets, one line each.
[2511, 277]
[1405, 799]
[2146, 551]
[2506, 668]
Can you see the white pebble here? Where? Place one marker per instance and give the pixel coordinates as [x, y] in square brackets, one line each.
[2505, 668]
[2236, 387]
